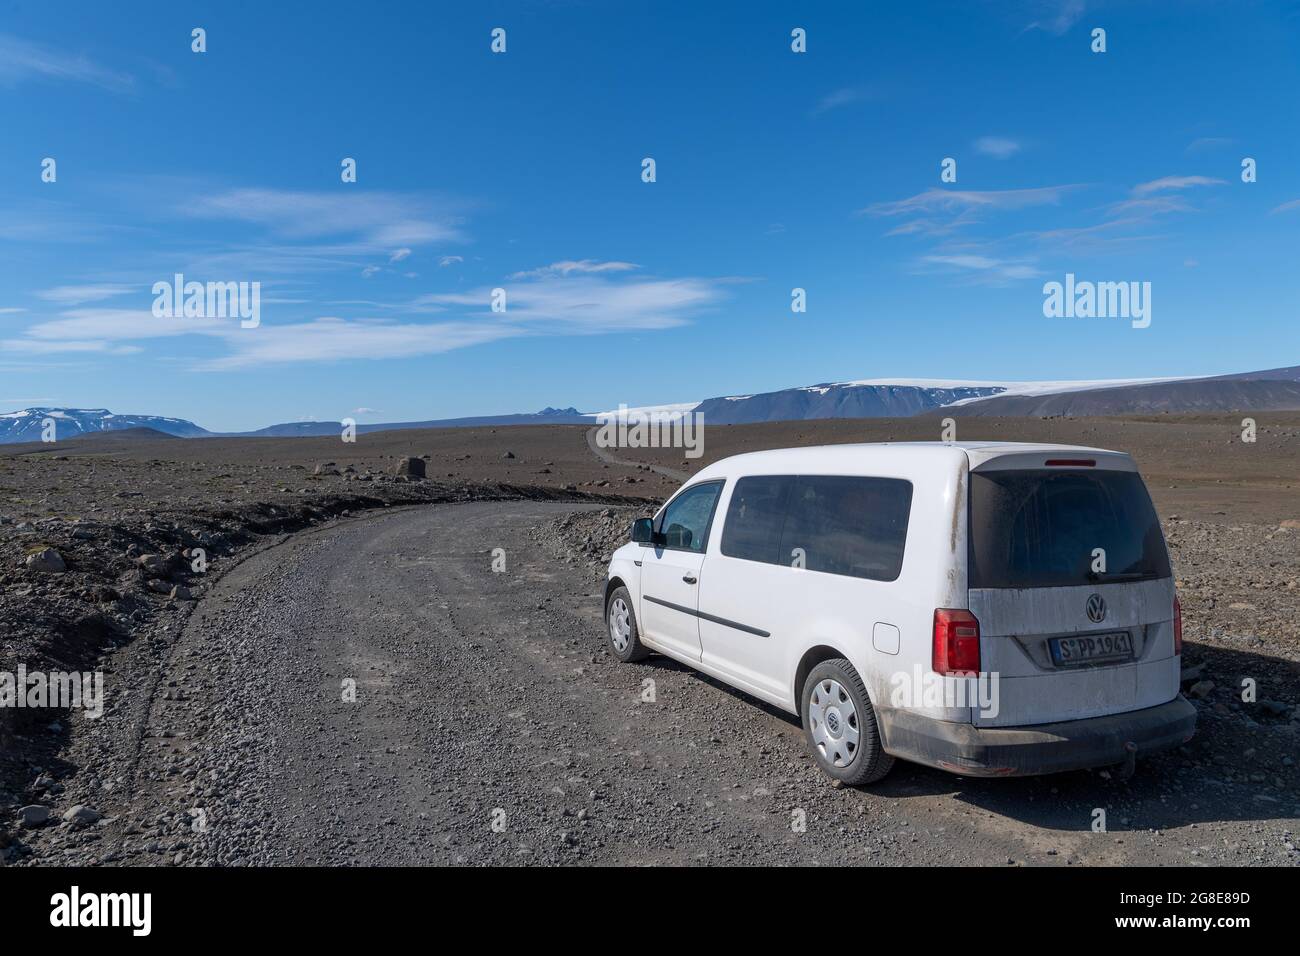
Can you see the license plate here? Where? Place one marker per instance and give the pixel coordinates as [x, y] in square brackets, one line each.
[1092, 648]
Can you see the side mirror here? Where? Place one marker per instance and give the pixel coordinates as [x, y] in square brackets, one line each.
[642, 531]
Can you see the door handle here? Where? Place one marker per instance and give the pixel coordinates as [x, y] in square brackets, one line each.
[689, 578]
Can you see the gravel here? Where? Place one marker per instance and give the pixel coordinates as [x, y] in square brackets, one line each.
[490, 725]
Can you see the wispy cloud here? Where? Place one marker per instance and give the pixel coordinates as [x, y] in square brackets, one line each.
[956, 200]
[399, 254]
[845, 96]
[986, 268]
[1148, 207]
[107, 325]
[1174, 182]
[1207, 143]
[333, 339]
[77, 294]
[578, 297]
[572, 267]
[940, 212]
[590, 303]
[365, 221]
[42, 347]
[22, 60]
[450, 260]
[1058, 15]
[45, 220]
[1101, 237]
[1287, 206]
[998, 147]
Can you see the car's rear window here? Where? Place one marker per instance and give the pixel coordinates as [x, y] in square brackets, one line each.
[854, 526]
[1043, 528]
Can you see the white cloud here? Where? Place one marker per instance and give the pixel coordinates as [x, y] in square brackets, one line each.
[987, 266]
[93, 329]
[1101, 237]
[1059, 16]
[398, 255]
[38, 347]
[575, 298]
[841, 97]
[1208, 143]
[450, 260]
[937, 212]
[21, 60]
[571, 267]
[77, 294]
[332, 339]
[1174, 182]
[997, 146]
[1155, 205]
[375, 220]
[590, 304]
[1287, 206]
[955, 200]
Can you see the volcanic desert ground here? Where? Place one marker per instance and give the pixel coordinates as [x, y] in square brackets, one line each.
[488, 724]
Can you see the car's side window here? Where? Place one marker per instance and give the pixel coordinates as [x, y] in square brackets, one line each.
[848, 525]
[685, 523]
[755, 517]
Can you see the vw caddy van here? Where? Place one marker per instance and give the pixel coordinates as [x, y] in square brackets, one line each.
[987, 608]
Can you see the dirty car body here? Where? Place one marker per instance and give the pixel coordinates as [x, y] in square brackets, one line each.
[1009, 608]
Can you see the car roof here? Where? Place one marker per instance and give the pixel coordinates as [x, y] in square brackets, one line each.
[909, 454]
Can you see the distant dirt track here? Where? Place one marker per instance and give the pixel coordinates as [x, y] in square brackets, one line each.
[487, 697]
[606, 456]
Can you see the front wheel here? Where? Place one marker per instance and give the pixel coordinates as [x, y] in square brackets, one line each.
[624, 637]
[841, 725]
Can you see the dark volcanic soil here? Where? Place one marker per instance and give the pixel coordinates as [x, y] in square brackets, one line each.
[108, 504]
[1196, 466]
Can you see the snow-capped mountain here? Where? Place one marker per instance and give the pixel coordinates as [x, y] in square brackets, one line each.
[29, 424]
[1268, 390]
[1271, 390]
[880, 398]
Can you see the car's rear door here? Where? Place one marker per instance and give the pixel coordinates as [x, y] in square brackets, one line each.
[1070, 580]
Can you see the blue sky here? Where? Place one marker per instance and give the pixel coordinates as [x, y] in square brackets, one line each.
[522, 171]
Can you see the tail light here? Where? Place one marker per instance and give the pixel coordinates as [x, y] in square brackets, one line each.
[956, 642]
[1178, 626]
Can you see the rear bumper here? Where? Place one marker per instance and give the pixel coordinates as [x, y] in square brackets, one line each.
[1042, 748]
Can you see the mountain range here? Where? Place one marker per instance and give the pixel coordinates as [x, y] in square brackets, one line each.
[1268, 390]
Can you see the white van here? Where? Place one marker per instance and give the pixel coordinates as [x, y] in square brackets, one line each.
[989, 608]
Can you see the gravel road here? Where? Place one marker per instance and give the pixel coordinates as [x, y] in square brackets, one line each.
[490, 726]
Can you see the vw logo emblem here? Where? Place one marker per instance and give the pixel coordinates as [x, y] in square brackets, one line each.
[1096, 609]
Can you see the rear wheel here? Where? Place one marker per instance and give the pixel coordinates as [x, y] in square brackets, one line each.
[624, 637]
[841, 724]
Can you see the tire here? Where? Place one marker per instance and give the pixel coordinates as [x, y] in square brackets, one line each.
[835, 707]
[620, 627]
